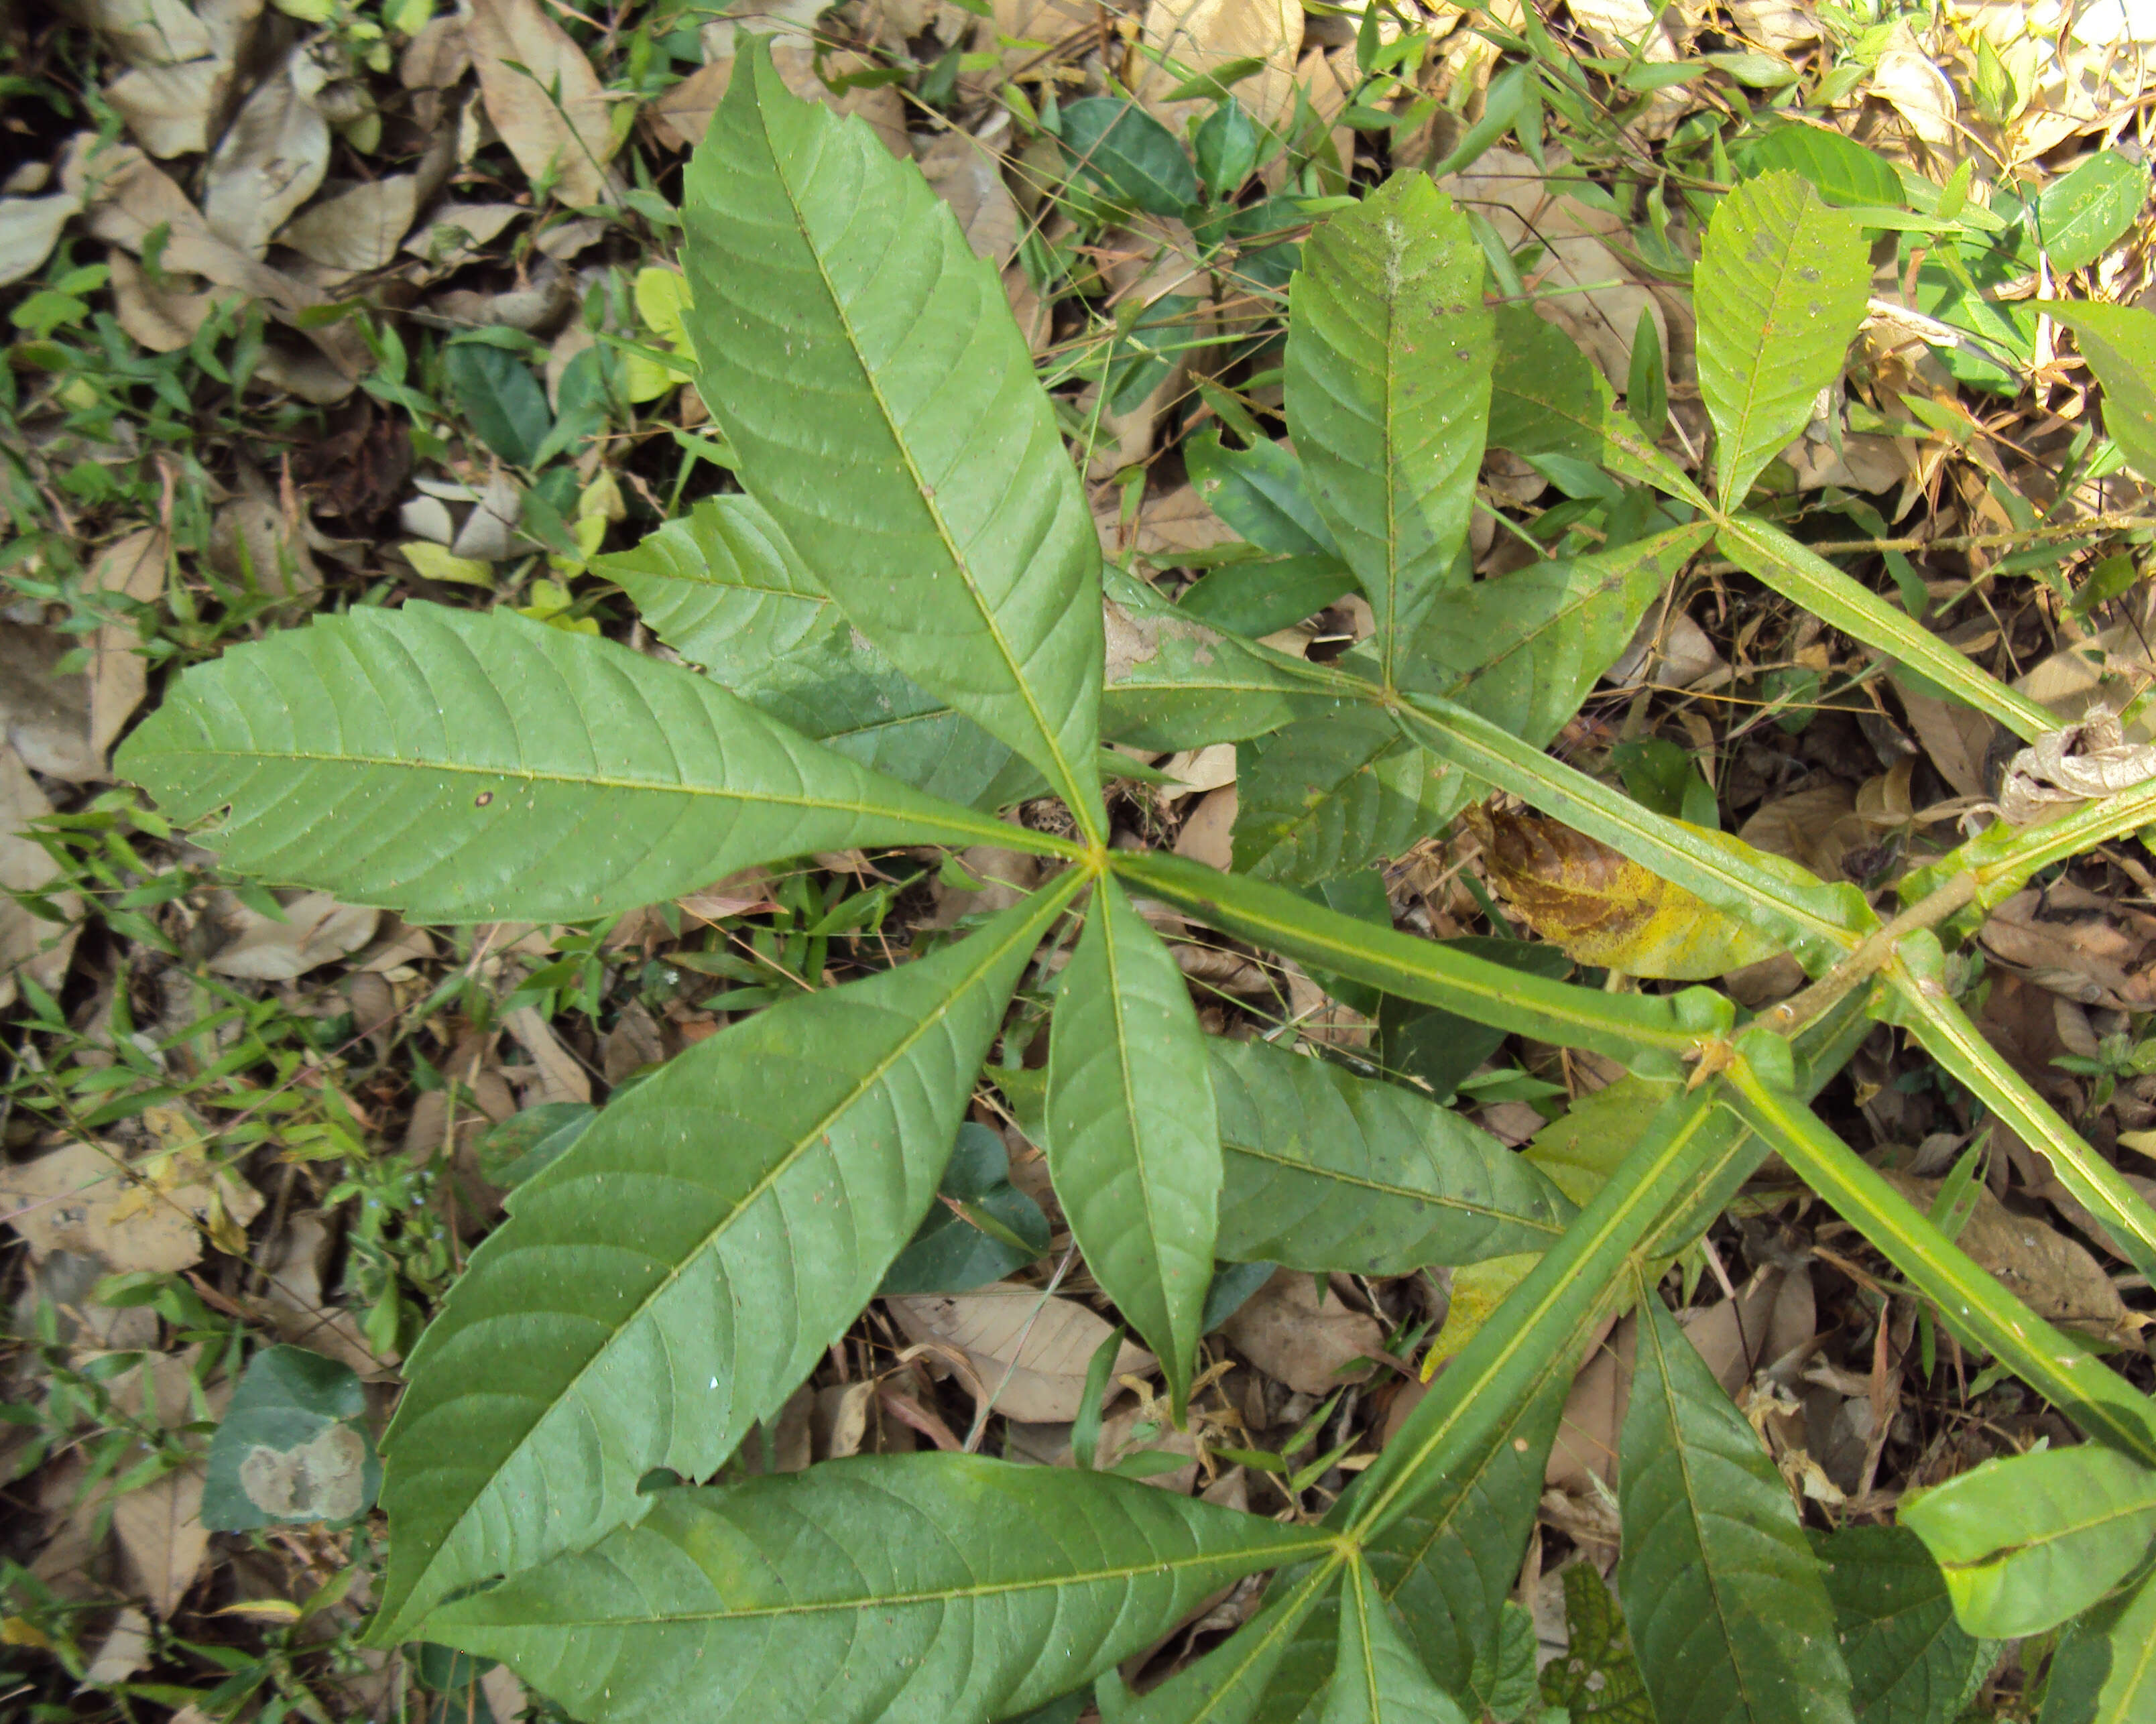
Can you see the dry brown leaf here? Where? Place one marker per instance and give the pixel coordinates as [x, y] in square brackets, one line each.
[561, 1078]
[133, 568]
[1043, 1346]
[968, 176]
[1583, 1461]
[2073, 942]
[1773, 1314]
[29, 230]
[879, 105]
[437, 58]
[168, 109]
[1289, 1331]
[80, 1199]
[1919, 92]
[1958, 738]
[683, 115]
[523, 57]
[1670, 650]
[356, 229]
[1588, 293]
[125, 1650]
[1198, 36]
[161, 1537]
[161, 318]
[145, 33]
[2048, 1272]
[1198, 770]
[253, 541]
[316, 929]
[461, 231]
[46, 715]
[1817, 826]
[271, 157]
[633, 1044]
[1208, 834]
[41, 950]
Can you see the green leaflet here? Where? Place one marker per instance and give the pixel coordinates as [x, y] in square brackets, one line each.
[1377, 1679]
[864, 366]
[1728, 1611]
[1230, 1683]
[1260, 491]
[2029, 1540]
[724, 588]
[1779, 290]
[1637, 1028]
[671, 1279]
[909, 1589]
[2084, 214]
[2119, 342]
[1175, 681]
[2104, 1671]
[1546, 397]
[1337, 790]
[1133, 1141]
[1843, 169]
[1909, 1661]
[1329, 1171]
[1330, 793]
[500, 768]
[1387, 379]
[1804, 576]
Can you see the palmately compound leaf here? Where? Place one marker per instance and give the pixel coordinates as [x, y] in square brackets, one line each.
[889, 1589]
[1387, 379]
[1780, 290]
[1909, 1661]
[867, 369]
[1329, 1171]
[1728, 1610]
[462, 766]
[1133, 1144]
[672, 1277]
[2027, 1542]
[2119, 342]
[1377, 1679]
[723, 588]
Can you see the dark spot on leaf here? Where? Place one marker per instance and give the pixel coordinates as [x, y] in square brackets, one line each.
[483, 798]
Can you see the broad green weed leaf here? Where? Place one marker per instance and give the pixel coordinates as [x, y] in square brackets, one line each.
[1546, 397]
[2027, 1542]
[1638, 1029]
[890, 1589]
[1122, 149]
[1800, 573]
[1133, 1143]
[1329, 1171]
[1728, 1608]
[866, 367]
[2119, 342]
[2083, 215]
[1230, 1684]
[1176, 681]
[500, 768]
[1387, 379]
[293, 1446]
[1260, 598]
[1843, 169]
[1596, 1676]
[952, 1251]
[1909, 1661]
[1378, 1679]
[1260, 491]
[2104, 1671]
[502, 401]
[671, 1279]
[723, 588]
[1780, 290]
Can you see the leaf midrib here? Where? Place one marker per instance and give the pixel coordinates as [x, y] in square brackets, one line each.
[1053, 898]
[1277, 1556]
[1081, 810]
[1433, 1199]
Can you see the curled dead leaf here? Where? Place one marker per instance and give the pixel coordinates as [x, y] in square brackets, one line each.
[1604, 909]
[1030, 1351]
[1309, 1341]
[543, 98]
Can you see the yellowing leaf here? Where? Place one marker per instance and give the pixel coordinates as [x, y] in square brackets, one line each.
[1477, 1289]
[662, 296]
[1604, 909]
[437, 564]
